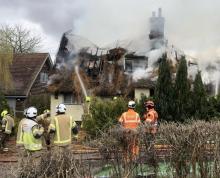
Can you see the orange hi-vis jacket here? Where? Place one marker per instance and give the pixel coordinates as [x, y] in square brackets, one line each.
[130, 119]
[151, 117]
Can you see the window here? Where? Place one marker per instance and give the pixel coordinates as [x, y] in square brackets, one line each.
[43, 77]
[128, 66]
[69, 99]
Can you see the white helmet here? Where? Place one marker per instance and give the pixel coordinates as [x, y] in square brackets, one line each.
[31, 112]
[61, 108]
[131, 104]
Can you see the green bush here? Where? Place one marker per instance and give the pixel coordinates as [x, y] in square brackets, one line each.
[103, 114]
[41, 102]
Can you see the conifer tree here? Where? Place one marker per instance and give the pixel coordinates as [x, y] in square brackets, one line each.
[200, 98]
[140, 106]
[182, 92]
[164, 90]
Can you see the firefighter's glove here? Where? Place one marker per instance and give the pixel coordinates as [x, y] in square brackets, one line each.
[75, 130]
[48, 114]
[37, 136]
[3, 128]
[52, 131]
[38, 132]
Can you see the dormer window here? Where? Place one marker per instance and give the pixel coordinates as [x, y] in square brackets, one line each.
[43, 77]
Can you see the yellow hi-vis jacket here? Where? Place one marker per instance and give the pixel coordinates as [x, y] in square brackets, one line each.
[27, 130]
[8, 124]
[43, 120]
[62, 124]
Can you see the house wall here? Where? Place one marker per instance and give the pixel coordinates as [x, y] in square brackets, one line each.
[16, 106]
[20, 106]
[139, 91]
[12, 104]
[38, 87]
[75, 110]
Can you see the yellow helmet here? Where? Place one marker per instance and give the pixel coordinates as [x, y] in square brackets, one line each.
[46, 111]
[88, 99]
[4, 112]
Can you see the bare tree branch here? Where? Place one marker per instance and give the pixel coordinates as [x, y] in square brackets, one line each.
[19, 38]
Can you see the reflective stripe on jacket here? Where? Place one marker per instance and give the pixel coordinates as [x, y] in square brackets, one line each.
[8, 124]
[19, 140]
[25, 135]
[130, 119]
[62, 125]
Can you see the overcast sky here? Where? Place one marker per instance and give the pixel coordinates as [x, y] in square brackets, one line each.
[191, 25]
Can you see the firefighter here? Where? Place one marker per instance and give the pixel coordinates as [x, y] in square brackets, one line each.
[88, 99]
[30, 132]
[151, 120]
[62, 126]
[87, 105]
[130, 121]
[44, 120]
[151, 117]
[7, 128]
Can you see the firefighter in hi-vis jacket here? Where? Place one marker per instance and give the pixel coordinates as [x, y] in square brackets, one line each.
[151, 120]
[130, 121]
[44, 120]
[151, 117]
[29, 135]
[63, 126]
[8, 124]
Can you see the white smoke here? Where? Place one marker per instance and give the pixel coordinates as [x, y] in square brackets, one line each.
[211, 74]
[141, 73]
[77, 43]
[154, 55]
[192, 71]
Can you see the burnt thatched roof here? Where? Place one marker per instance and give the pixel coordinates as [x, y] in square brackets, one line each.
[66, 81]
[144, 83]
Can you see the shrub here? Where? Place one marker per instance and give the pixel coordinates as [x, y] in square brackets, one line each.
[55, 164]
[41, 102]
[188, 150]
[103, 114]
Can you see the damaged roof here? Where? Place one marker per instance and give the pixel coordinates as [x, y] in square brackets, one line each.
[24, 71]
[144, 83]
